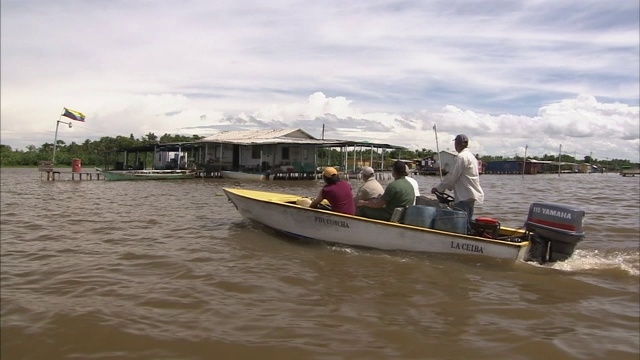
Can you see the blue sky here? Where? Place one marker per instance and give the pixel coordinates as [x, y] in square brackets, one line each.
[509, 74]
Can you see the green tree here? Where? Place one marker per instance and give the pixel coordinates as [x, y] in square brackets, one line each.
[150, 138]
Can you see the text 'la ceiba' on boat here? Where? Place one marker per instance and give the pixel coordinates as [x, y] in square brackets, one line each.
[551, 231]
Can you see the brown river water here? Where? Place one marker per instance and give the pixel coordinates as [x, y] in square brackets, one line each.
[170, 270]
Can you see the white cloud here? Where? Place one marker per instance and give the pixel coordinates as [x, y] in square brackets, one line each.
[509, 74]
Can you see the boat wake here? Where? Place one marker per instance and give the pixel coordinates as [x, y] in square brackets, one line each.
[626, 261]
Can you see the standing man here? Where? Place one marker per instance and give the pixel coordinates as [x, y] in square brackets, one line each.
[370, 189]
[399, 193]
[463, 179]
[338, 193]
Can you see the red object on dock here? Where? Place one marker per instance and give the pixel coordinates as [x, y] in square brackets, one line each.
[76, 165]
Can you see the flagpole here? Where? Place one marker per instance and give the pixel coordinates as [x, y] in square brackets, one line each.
[55, 139]
[438, 149]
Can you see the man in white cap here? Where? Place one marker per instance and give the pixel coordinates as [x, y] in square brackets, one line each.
[463, 179]
[370, 189]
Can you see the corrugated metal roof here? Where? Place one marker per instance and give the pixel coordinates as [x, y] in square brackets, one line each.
[281, 136]
[253, 136]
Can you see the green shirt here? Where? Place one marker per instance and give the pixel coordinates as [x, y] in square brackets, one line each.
[398, 193]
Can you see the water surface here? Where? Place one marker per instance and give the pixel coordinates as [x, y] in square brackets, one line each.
[169, 270]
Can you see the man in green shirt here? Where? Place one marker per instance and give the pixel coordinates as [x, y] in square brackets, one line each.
[398, 194]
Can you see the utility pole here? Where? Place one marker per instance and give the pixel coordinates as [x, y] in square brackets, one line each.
[559, 159]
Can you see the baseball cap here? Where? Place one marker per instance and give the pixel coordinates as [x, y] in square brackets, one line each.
[461, 138]
[366, 170]
[400, 167]
[329, 172]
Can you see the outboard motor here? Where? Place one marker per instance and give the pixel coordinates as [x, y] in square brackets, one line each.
[556, 229]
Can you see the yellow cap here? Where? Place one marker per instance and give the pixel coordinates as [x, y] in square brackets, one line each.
[329, 172]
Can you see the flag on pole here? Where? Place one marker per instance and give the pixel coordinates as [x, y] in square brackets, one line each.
[73, 115]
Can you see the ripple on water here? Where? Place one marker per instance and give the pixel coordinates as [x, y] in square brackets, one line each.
[171, 270]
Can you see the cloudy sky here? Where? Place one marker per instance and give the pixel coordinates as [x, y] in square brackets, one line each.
[509, 74]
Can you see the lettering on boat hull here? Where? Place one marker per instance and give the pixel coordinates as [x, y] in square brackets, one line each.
[467, 247]
[331, 222]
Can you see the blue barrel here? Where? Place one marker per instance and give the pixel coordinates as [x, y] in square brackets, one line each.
[420, 215]
[451, 220]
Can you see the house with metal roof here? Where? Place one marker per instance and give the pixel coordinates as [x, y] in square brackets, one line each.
[275, 150]
[278, 151]
[291, 150]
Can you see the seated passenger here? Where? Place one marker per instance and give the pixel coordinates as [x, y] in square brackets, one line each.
[398, 194]
[338, 193]
[370, 188]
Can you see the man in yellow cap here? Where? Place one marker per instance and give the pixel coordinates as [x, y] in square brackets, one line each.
[338, 193]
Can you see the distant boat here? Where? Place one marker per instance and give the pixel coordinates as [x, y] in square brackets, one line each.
[628, 171]
[238, 175]
[116, 175]
[551, 232]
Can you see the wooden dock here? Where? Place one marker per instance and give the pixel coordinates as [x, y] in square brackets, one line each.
[54, 175]
[48, 173]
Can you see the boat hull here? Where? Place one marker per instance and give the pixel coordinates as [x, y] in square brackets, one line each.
[279, 211]
[237, 175]
[148, 175]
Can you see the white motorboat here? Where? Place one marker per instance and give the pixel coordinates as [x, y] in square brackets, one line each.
[550, 233]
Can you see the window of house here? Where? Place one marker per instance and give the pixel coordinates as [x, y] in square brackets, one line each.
[285, 153]
[255, 152]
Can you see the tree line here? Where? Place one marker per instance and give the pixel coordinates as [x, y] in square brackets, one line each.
[91, 152]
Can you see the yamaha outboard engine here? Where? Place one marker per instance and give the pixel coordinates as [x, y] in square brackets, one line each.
[556, 229]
